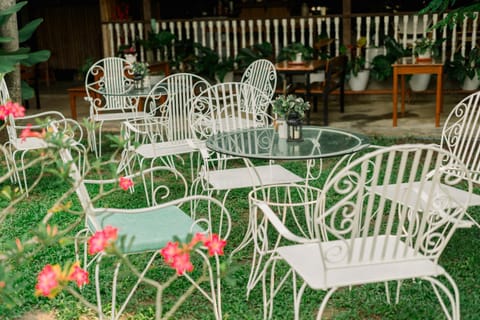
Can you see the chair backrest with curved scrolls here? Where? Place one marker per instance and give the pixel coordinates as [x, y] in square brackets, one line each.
[170, 99]
[369, 224]
[106, 84]
[261, 74]
[229, 106]
[461, 134]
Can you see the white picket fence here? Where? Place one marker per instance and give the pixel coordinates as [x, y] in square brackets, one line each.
[227, 36]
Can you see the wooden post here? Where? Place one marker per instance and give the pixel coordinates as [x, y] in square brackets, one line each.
[347, 21]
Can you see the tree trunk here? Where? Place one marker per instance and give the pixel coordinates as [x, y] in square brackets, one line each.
[10, 29]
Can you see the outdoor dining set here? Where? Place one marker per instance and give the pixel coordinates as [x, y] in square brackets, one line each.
[356, 213]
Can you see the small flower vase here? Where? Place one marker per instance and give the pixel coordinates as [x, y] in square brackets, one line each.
[281, 128]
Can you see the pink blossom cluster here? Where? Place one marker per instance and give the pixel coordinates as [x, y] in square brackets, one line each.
[101, 239]
[11, 108]
[177, 255]
[52, 279]
[125, 183]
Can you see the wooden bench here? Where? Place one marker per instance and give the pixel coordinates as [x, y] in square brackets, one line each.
[73, 94]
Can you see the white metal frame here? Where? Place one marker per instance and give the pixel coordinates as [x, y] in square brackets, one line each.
[213, 217]
[363, 235]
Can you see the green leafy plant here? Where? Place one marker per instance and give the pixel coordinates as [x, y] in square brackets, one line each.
[224, 66]
[356, 61]
[382, 64]
[284, 105]
[247, 55]
[290, 52]
[23, 55]
[157, 40]
[462, 67]
[423, 45]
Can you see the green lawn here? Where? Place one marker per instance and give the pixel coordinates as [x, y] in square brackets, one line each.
[417, 301]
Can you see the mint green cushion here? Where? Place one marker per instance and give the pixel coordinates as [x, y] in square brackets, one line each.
[149, 230]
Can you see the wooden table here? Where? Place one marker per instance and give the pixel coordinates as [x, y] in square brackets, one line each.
[411, 66]
[305, 68]
[73, 94]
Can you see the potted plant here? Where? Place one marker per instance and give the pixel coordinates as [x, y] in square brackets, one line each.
[224, 69]
[286, 107]
[382, 69]
[157, 40]
[357, 72]
[296, 52]
[465, 70]
[247, 55]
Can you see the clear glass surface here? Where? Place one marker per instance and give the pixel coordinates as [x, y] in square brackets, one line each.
[264, 143]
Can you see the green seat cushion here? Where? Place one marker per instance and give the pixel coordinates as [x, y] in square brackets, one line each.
[147, 231]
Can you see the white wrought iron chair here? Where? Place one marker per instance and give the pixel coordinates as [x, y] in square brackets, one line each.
[107, 85]
[223, 108]
[19, 146]
[461, 137]
[147, 229]
[360, 237]
[261, 74]
[165, 132]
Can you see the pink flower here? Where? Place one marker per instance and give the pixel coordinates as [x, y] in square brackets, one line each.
[48, 281]
[125, 183]
[101, 239]
[27, 132]
[181, 263]
[78, 275]
[215, 245]
[11, 108]
[198, 237]
[170, 251]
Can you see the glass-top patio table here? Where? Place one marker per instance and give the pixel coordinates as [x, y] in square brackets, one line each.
[264, 143]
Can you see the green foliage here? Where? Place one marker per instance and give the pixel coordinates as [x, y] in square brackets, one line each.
[356, 61]
[283, 106]
[290, 51]
[24, 56]
[462, 67]
[425, 44]
[247, 55]
[454, 16]
[382, 64]
[157, 40]
[208, 63]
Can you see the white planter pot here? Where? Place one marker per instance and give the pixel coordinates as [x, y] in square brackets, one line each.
[282, 128]
[227, 78]
[298, 57]
[471, 84]
[419, 82]
[360, 81]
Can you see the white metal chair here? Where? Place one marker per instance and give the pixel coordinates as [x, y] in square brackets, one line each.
[165, 132]
[147, 229]
[361, 236]
[19, 146]
[261, 74]
[223, 108]
[107, 84]
[461, 137]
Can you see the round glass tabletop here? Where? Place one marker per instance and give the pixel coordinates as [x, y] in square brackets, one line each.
[264, 143]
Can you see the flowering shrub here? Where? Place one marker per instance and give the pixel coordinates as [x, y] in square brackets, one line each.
[11, 108]
[178, 256]
[52, 279]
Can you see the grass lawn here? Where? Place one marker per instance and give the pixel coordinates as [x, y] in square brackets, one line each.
[417, 300]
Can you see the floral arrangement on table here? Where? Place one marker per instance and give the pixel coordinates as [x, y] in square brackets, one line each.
[283, 106]
[140, 69]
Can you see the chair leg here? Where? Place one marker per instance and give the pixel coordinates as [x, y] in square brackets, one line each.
[325, 109]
